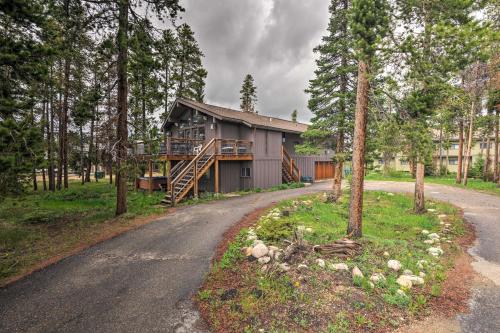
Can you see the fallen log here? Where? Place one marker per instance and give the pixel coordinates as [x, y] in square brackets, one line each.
[340, 248]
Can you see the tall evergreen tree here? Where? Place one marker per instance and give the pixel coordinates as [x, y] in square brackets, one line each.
[368, 21]
[166, 47]
[333, 90]
[189, 75]
[294, 116]
[248, 94]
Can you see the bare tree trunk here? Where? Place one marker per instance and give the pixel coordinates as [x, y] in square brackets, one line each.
[60, 136]
[419, 201]
[469, 141]
[354, 227]
[50, 135]
[82, 160]
[122, 134]
[447, 161]
[337, 177]
[460, 151]
[440, 150]
[91, 145]
[486, 167]
[496, 171]
[64, 122]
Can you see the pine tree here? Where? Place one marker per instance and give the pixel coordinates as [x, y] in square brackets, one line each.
[189, 75]
[166, 50]
[294, 116]
[369, 20]
[248, 94]
[333, 90]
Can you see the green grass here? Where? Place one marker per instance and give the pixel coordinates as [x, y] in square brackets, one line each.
[389, 225]
[37, 225]
[472, 183]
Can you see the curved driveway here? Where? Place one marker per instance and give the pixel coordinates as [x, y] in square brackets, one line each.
[483, 211]
[140, 281]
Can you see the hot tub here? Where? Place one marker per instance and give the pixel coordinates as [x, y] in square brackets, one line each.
[159, 183]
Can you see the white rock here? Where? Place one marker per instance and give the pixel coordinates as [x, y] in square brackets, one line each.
[273, 248]
[264, 260]
[404, 281]
[257, 241]
[433, 236]
[386, 254]
[407, 272]
[339, 267]
[425, 232]
[277, 256]
[435, 251]
[442, 216]
[356, 272]
[270, 253]
[390, 194]
[264, 268]
[309, 230]
[432, 210]
[421, 264]
[252, 237]
[248, 251]
[395, 265]
[301, 228]
[421, 274]
[320, 262]
[377, 277]
[416, 280]
[400, 292]
[302, 267]
[284, 267]
[447, 224]
[429, 241]
[259, 250]
[372, 285]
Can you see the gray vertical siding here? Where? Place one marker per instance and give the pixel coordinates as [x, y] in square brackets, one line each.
[306, 164]
[266, 173]
[267, 158]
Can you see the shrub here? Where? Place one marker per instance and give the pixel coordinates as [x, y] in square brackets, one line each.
[276, 230]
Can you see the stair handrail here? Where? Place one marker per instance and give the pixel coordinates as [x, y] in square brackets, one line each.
[287, 159]
[178, 167]
[192, 162]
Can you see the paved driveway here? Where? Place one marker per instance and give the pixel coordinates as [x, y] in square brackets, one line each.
[140, 281]
[483, 211]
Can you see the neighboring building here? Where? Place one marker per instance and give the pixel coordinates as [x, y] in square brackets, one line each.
[232, 150]
[449, 156]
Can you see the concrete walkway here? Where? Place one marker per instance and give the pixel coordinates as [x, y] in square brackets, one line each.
[483, 211]
[140, 281]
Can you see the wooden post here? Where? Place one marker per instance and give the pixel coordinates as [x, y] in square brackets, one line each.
[216, 178]
[195, 185]
[169, 180]
[150, 176]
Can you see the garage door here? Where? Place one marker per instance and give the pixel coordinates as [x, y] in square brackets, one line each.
[323, 170]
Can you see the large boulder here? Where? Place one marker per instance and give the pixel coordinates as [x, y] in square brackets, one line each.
[356, 272]
[259, 251]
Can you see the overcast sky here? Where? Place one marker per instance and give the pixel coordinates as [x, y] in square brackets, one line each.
[270, 39]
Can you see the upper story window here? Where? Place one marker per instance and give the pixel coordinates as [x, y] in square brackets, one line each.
[454, 146]
[484, 145]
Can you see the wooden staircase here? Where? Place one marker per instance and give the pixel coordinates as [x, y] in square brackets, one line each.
[289, 170]
[184, 175]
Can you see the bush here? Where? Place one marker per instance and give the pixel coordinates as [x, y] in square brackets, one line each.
[275, 230]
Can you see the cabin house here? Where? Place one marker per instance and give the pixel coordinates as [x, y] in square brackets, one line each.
[215, 149]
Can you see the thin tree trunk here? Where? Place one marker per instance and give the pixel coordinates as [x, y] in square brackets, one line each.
[419, 202]
[122, 134]
[60, 136]
[440, 150]
[486, 167]
[91, 145]
[82, 160]
[469, 141]
[460, 151]
[44, 122]
[64, 140]
[354, 227]
[33, 175]
[337, 177]
[496, 168]
[50, 131]
[447, 161]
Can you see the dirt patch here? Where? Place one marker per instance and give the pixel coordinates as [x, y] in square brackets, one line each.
[106, 230]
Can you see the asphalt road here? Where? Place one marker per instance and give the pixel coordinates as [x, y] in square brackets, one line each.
[141, 281]
[483, 211]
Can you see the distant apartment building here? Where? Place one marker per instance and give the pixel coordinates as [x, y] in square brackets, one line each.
[449, 156]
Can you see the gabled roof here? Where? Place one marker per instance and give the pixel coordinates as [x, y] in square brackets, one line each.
[248, 118]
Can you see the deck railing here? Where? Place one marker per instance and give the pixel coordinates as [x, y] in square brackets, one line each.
[180, 146]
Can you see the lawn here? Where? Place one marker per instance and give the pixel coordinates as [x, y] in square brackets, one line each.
[39, 225]
[472, 183]
[242, 295]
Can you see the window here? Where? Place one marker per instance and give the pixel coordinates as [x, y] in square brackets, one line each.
[403, 162]
[453, 160]
[454, 146]
[283, 137]
[484, 145]
[245, 172]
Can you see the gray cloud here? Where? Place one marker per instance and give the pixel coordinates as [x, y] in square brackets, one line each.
[270, 39]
